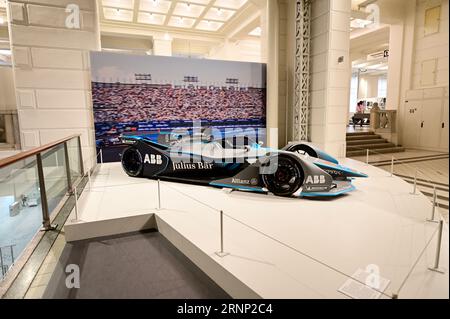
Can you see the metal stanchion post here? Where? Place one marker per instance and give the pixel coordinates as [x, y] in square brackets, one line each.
[1, 263]
[67, 162]
[367, 156]
[438, 250]
[415, 184]
[392, 166]
[12, 254]
[159, 194]
[89, 179]
[101, 156]
[46, 223]
[221, 253]
[76, 204]
[433, 209]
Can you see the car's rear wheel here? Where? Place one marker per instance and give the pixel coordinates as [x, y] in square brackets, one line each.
[132, 162]
[287, 179]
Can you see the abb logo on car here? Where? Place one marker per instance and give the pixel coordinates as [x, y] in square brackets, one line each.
[153, 159]
[316, 179]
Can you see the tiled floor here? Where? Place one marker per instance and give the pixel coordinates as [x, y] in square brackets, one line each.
[409, 153]
[429, 170]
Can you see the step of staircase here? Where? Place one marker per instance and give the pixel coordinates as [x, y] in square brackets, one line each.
[363, 137]
[381, 151]
[364, 142]
[360, 133]
[374, 147]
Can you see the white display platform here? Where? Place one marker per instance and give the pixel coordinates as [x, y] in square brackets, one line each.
[279, 247]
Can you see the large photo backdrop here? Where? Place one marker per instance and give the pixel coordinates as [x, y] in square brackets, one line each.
[152, 95]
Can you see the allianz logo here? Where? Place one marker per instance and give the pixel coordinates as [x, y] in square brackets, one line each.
[252, 181]
[240, 181]
[316, 179]
[153, 159]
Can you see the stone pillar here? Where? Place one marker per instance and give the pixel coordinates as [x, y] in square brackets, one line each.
[330, 74]
[394, 66]
[51, 41]
[272, 45]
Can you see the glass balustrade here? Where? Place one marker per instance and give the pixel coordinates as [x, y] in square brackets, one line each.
[33, 184]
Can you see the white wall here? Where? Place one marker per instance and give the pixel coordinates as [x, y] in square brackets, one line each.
[431, 47]
[420, 49]
[51, 68]
[244, 50]
[7, 91]
[368, 87]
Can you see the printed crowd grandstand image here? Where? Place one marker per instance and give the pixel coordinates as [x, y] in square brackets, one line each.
[153, 95]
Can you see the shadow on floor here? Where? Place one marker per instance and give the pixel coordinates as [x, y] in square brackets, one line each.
[135, 266]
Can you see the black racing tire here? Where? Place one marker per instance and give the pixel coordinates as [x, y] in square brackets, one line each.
[302, 149]
[132, 162]
[287, 179]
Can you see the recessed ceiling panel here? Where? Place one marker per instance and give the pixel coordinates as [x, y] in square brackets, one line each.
[151, 18]
[206, 15]
[181, 22]
[204, 2]
[118, 14]
[158, 6]
[122, 4]
[219, 14]
[188, 10]
[230, 4]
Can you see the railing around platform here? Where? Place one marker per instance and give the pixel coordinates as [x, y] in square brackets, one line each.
[413, 234]
[33, 184]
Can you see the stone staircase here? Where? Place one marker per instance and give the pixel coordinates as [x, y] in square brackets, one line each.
[359, 142]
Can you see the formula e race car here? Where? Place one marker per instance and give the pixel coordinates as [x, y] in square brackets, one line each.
[299, 169]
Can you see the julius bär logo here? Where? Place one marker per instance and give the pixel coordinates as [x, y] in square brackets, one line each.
[153, 159]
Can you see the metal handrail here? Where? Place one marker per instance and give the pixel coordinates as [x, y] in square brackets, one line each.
[26, 154]
[37, 156]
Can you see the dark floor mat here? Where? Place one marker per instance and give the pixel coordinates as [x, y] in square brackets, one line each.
[143, 265]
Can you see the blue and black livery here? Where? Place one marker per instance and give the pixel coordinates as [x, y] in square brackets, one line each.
[299, 169]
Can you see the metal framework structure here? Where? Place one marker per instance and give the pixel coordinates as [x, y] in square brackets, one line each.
[302, 77]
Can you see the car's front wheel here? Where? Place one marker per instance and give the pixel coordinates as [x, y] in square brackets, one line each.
[302, 149]
[132, 162]
[287, 179]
